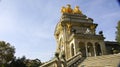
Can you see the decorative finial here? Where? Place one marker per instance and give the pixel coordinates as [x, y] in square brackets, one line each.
[76, 10]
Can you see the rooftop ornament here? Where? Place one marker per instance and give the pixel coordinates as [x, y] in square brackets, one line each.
[68, 9]
[76, 10]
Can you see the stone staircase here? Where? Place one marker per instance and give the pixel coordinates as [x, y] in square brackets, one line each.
[75, 60]
[101, 61]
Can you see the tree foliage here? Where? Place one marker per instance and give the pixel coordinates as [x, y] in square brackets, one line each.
[33, 63]
[18, 62]
[7, 58]
[6, 52]
[118, 32]
[23, 62]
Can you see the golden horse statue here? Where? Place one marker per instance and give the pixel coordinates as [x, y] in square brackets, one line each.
[68, 9]
[76, 10]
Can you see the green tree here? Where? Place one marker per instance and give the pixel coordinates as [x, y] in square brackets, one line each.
[33, 63]
[118, 32]
[23, 62]
[6, 53]
[18, 62]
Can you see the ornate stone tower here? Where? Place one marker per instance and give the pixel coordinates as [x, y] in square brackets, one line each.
[75, 33]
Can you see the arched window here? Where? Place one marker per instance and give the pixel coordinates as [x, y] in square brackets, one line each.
[81, 48]
[98, 49]
[90, 49]
[72, 50]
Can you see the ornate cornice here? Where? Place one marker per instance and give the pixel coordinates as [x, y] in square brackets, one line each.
[86, 37]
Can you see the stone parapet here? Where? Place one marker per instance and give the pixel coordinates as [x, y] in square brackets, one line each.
[75, 18]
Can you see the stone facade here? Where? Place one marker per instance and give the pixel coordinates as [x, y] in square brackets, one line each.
[77, 40]
[76, 33]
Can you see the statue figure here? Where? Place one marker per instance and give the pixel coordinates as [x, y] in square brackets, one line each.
[92, 27]
[69, 9]
[63, 10]
[69, 27]
[76, 10]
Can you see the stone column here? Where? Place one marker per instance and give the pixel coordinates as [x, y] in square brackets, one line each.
[94, 50]
[76, 46]
[103, 48]
[74, 49]
[71, 49]
[65, 41]
[86, 50]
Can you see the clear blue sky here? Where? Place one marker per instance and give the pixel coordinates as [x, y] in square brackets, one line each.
[29, 24]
